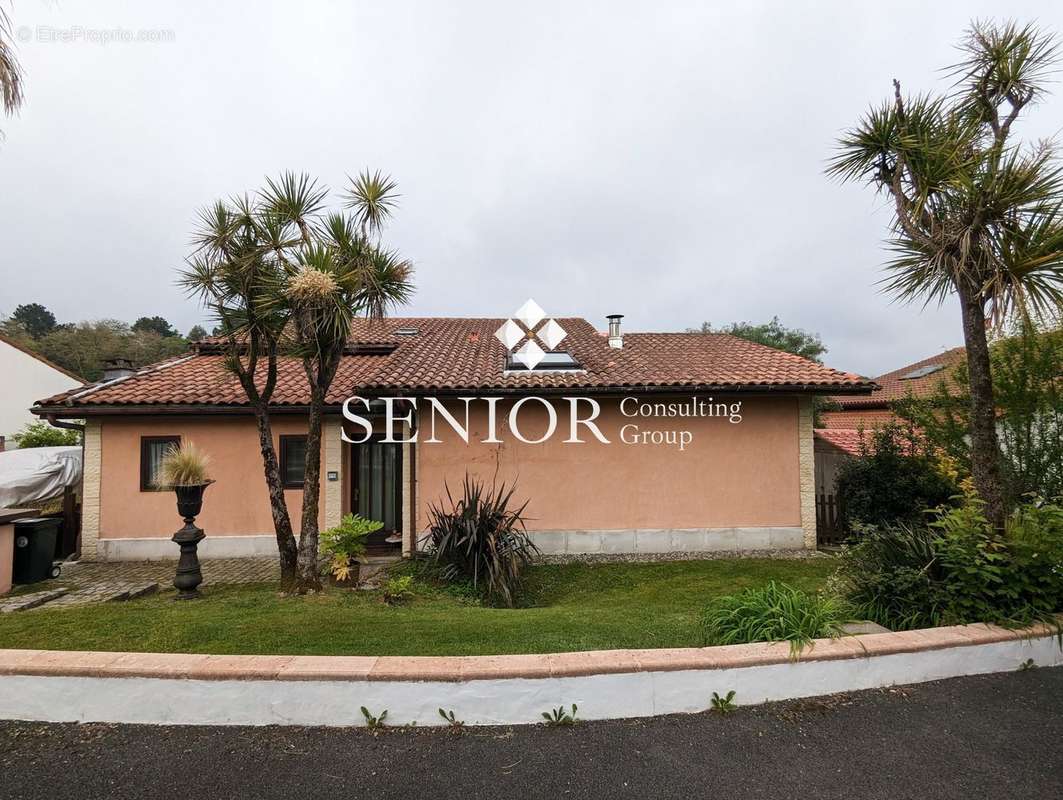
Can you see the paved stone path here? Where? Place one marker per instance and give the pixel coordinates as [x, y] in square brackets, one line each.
[215, 571]
[98, 582]
[24, 602]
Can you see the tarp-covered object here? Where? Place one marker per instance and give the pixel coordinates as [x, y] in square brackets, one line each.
[31, 476]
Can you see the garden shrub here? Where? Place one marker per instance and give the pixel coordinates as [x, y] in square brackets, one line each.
[892, 576]
[892, 480]
[773, 613]
[956, 569]
[41, 434]
[480, 539]
[1028, 394]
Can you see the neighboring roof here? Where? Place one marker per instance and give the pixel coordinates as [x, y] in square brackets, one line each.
[847, 439]
[926, 376]
[848, 417]
[451, 354]
[40, 358]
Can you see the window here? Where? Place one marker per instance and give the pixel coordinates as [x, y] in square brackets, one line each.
[293, 461]
[152, 449]
[558, 360]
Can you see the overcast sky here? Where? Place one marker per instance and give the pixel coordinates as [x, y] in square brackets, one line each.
[661, 160]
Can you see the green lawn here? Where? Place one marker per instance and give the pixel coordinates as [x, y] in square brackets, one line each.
[570, 607]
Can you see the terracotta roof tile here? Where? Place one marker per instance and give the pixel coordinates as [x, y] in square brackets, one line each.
[453, 354]
[858, 417]
[847, 439]
[893, 386]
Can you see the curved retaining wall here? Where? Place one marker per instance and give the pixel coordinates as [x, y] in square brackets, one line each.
[165, 688]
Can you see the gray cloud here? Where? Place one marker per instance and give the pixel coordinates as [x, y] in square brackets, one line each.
[659, 160]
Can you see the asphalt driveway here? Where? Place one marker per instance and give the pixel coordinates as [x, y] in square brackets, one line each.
[986, 737]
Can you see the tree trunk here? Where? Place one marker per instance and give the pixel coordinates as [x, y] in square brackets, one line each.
[282, 523]
[309, 577]
[985, 449]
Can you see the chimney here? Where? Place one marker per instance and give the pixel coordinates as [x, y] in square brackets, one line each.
[616, 339]
[114, 368]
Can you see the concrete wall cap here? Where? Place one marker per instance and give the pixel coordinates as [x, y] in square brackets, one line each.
[471, 668]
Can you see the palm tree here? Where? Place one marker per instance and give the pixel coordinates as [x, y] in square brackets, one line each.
[340, 271]
[285, 278]
[10, 71]
[975, 212]
[233, 270]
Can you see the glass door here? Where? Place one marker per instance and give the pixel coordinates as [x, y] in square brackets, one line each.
[378, 489]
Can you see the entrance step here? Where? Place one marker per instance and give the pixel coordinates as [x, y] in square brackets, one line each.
[373, 570]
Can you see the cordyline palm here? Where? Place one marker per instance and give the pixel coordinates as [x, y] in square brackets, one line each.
[283, 278]
[975, 212]
[339, 271]
[233, 270]
[10, 71]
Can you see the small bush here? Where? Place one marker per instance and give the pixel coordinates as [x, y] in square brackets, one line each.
[893, 577]
[398, 590]
[479, 538]
[956, 569]
[892, 480]
[41, 434]
[773, 613]
[345, 543]
[183, 465]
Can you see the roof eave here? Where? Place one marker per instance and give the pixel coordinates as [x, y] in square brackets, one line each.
[74, 411]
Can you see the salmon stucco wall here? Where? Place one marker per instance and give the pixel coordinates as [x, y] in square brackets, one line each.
[237, 504]
[738, 484]
[732, 486]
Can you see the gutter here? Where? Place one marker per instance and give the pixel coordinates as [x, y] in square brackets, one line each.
[58, 423]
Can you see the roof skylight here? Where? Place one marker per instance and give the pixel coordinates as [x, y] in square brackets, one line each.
[551, 362]
[922, 372]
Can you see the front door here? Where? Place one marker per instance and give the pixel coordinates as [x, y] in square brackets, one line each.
[377, 491]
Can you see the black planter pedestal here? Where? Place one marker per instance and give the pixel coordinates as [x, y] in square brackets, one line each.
[189, 575]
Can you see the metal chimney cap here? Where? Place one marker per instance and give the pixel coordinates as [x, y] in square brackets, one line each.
[614, 316]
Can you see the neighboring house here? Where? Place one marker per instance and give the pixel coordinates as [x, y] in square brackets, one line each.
[26, 376]
[852, 420]
[851, 414]
[737, 477]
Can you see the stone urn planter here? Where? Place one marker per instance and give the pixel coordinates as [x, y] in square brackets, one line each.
[189, 575]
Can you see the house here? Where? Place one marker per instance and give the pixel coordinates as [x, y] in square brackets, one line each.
[851, 418]
[850, 414]
[636, 442]
[848, 425]
[26, 376]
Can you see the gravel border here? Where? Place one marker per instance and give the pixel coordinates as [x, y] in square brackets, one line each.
[651, 558]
